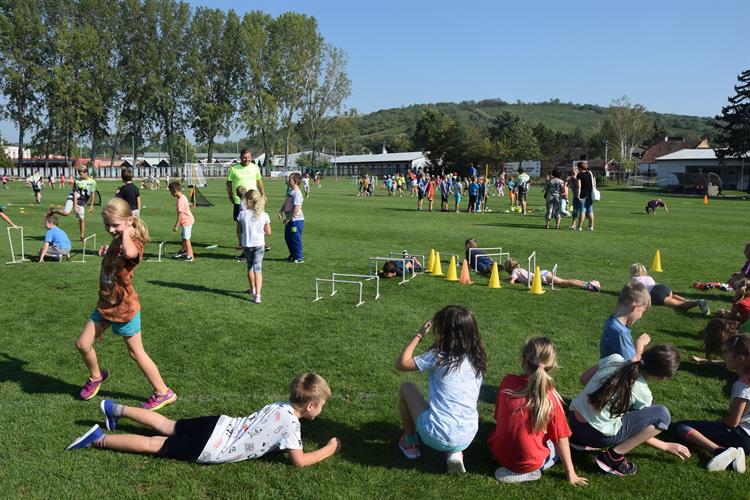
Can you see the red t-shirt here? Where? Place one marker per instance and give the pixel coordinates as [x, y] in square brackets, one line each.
[743, 307]
[513, 443]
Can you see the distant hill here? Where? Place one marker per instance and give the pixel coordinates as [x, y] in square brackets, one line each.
[564, 117]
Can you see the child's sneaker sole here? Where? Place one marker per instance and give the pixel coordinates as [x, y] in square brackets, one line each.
[91, 436]
[170, 398]
[455, 463]
[86, 395]
[739, 463]
[107, 407]
[722, 460]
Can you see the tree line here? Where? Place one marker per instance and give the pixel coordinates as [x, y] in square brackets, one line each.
[128, 72]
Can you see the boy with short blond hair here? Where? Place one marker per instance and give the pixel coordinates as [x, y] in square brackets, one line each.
[221, 439]
[616, 338]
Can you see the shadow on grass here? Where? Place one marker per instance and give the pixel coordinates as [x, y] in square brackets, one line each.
[190, 287]
[706, 370]
[12, 370]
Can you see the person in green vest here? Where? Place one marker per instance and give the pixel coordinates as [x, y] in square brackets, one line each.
[244, 174]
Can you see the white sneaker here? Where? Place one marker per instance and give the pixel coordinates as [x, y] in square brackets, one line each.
[455, 462]
[722, 460]
[703, 305]
[508, 476]
[739, 463]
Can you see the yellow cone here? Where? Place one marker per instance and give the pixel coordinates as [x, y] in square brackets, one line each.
[437, 269]
[656, 264]
[494, 277]
[452, 270]
[431, 261]
[536, 283]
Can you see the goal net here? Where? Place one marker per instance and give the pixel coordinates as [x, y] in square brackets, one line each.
[194, 175]
[197, 199]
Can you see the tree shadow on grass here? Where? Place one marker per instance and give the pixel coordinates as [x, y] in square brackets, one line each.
[705, 370]
[190, 287]
[680, 333]
[13, 370]
[526, 226]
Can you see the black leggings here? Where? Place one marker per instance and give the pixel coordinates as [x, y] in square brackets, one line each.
[718, 432]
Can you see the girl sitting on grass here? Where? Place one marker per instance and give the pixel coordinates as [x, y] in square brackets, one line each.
[740, 305]
[119, 306]
[531, 433]
[615, 410]
[729, 438]
[661, 295]
[448, 420]
[521, 275]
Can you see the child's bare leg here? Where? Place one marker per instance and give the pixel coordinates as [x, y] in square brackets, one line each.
[145, 363]
[250, 279]
[85, 345]
[568, 282]
[82, 227]
[188, 247]
[644, 435]
[149, 418]
[258, 282]
[680, 305]
[696, 438]
[411, 404]
[133, 443]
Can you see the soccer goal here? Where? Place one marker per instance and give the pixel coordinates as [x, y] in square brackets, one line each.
[194, 175]
[197, 199]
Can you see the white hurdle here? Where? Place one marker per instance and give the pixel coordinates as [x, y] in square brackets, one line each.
[554, 275]
[10, 243]
[333, 282]
[83, 257]
[365, 276]
[530, 270]
[488, 252]
[162, 246]
[373, 267]
[418, 258]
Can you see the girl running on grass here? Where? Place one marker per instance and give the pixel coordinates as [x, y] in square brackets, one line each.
[521, 275]
[448, 420]
[729, 438]
[255, 225]
[615, 411]
[531, 433]
[661, 295]
[118, 304]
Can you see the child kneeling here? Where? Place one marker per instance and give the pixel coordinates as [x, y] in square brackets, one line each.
[531, 433]
[221, 439]
[456, 362]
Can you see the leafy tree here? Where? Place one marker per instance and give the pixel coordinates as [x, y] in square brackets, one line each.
[502, 125]
[21, 45]
[629, 127]
[520, 143]
[658, 133]
[214, 73]
[733, 125]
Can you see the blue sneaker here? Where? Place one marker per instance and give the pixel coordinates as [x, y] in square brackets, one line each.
[108, 409]
[92, 435]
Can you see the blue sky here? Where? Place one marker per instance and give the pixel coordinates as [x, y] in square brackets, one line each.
[672, 57]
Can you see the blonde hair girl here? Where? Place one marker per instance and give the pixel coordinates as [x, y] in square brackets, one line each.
[255, 201]
[255, 225]
[119, 305]
[532, 432]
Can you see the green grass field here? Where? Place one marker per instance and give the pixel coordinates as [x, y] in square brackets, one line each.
[223, 354]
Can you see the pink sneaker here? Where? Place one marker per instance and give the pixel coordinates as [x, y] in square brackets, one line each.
[158, 401]
[91, 388]
[410, 451]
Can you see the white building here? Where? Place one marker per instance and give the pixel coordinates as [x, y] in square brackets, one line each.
[703, 161]
[381, 164]
[12, 152]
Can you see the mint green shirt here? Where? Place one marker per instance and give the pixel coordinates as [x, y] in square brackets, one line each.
[602, 421]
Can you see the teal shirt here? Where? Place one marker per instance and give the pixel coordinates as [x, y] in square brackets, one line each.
[602, 421]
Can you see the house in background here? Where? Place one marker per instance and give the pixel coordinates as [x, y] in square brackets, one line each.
[647, 165]
[689, 164]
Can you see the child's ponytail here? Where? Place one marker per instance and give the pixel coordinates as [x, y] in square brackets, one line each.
[140, 231]
[119, 208]
[661, 361]
[538, 358]
[742, 289]
[255, 201]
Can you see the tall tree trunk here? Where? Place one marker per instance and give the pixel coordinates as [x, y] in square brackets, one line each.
[114, 147]
[210, 158]
[21, 132]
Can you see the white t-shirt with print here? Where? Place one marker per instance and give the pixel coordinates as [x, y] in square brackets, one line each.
[252, 227]
[273, 427]
[741, 389]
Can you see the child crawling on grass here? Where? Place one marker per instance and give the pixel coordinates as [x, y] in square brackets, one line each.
[221, 439]
[661, 295]
[521, 275]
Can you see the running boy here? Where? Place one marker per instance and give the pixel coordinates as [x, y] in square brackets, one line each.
[56, 242]
[221, 439]
[84, 190]
[185, 221]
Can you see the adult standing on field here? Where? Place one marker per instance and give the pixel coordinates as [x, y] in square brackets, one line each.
[244, 174]
[585, 195]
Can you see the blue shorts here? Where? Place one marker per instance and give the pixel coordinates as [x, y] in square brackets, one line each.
[432, 442]
[588, 205]
[123, 329]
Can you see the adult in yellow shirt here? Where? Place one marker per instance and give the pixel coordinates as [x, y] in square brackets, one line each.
[245, 174]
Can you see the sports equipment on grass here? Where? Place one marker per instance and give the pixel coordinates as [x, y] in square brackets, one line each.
[452, 270]
[83, 254]
[197, 199]
[532, 260]
[335, 279]
[465, 278]
[194, 175]
[705, 199]
[494, 277]
[373, 267]
[437, 269]
[23, 258]
[162, 250]
[536, 285]
[431, 261]
[656, 263]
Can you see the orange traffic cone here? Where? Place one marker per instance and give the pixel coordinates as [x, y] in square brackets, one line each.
[494, 277]
[705, 199]
[437, 269]
[656, 263]
[536, 283]
[452, 270]
[465, 277]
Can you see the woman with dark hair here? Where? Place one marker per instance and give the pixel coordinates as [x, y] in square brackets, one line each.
[585, 184]
[615, 411]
